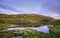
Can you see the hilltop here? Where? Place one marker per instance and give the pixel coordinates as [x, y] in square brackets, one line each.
[31, 20]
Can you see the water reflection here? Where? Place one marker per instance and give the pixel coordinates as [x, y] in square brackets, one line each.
[17, 37]
[44, 29]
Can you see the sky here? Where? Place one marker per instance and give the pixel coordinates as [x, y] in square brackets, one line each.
[43, 7]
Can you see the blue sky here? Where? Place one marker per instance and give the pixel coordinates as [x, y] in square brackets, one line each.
[42, 7]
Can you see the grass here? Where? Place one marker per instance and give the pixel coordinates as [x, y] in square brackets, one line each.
[26, 20]
[5, 26]
[25, 33]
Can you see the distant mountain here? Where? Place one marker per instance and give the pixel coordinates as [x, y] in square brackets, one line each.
[26, 19]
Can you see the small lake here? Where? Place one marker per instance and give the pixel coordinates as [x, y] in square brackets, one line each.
[17, 37]
[44, 29]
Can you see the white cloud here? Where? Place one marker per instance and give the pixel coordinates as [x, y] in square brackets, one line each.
[28, 10]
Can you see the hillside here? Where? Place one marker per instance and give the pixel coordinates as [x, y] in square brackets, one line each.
[31, 20]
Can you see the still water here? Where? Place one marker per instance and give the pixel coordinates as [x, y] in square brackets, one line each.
[17, 37]
[44, 29]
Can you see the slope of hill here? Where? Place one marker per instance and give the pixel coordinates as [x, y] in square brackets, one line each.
[26, 19]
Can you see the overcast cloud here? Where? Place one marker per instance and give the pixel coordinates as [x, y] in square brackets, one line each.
[43, 7]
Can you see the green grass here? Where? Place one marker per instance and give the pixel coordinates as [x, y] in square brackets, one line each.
[5, 26]
[56, 29]
[25, 33]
